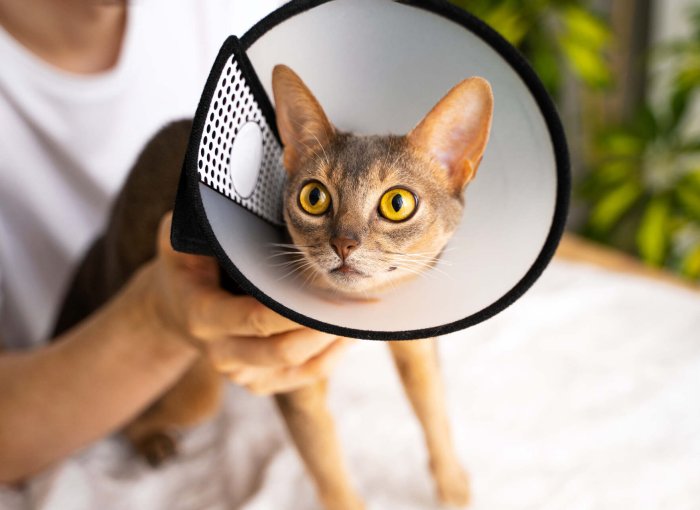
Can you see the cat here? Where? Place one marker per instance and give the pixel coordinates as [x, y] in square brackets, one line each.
[364, 213]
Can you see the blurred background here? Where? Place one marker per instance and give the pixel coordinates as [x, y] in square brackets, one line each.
[625, 75]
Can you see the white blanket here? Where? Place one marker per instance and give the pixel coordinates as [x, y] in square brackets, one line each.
[585, 394]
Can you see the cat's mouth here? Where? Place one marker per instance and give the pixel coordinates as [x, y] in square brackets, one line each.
[347, 270]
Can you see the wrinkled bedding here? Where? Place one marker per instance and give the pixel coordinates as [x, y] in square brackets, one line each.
[585, 394]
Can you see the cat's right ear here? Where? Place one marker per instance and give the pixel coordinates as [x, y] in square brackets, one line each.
[301, 122]
[455, 132]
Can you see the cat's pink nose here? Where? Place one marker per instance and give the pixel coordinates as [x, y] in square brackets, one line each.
[343, 246]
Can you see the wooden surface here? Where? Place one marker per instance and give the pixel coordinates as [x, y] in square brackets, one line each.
[576, 249]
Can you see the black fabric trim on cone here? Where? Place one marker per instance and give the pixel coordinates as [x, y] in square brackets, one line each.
[509, 54]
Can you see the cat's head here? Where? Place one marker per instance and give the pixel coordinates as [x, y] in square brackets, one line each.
[370, 211]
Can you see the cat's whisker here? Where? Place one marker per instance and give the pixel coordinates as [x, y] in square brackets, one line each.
[365, 294]
[313, 152]
[420, 268]
[428, 264]
[426, 267]
[287, 263]
[289, 245]
[284, 261]
[416, 270]
[293, 263]
[294, 271]
[421, 259]
[398, 158]
[433, 269]
[325, 154]
[405, 267]
[287, 251]
[305, 263]
[287, 275]
[317, 158]
[419, 264]
[413, 272]
[298, 266]
[424, 262]
[305, 129]
[292, 250]
[310, 277]
[418, 253]
[392, 284]
[285, 254]
[314, 278]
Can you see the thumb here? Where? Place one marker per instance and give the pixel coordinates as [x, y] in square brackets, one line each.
[199, 264]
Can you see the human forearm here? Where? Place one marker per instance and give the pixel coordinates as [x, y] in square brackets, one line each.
[90, 382]
[102, 373]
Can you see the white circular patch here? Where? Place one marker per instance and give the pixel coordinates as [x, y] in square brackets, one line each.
[246, 159]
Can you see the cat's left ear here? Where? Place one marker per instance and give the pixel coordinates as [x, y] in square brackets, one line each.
[302, 123]
[456, 130]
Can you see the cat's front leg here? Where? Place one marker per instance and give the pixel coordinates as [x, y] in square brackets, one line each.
[311, 427]
[417, 363]
[193, 399]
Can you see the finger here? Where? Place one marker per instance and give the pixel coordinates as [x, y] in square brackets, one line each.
[196, 264]
[292, 378]
[247, 375]
[286, 349]
[217, 314]
[164, 228]
[322, 363]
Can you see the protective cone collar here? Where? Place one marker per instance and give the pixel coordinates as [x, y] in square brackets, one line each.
[377, 67]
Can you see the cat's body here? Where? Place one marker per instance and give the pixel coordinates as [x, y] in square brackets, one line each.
[352, 234]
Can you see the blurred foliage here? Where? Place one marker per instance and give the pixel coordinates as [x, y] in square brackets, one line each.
[685, 56]
[643, 186]
[646, 174]
[552, 34]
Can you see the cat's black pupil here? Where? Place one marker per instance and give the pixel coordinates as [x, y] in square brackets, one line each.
[314, 196]
[397, 202]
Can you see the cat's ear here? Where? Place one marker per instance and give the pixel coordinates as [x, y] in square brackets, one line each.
[302, 124]
[456, 130]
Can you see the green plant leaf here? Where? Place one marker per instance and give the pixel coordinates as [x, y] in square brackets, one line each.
[690, 146]
[621, 143]
[653, 234]
[689, 199]
[547, 66]
[607, 175]
[611, 207]
[688, 76]
[690, 265]
[693, 178]
[586, 63]
[646, 124]
[509, 21]
[585, 28]
[678, 106]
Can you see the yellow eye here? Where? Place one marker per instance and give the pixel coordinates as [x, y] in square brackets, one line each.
[314, 198]
[397, 204]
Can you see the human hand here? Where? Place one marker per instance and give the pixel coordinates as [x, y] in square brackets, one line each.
[245, 340]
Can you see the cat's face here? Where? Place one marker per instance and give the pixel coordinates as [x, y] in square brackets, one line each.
[370, 211]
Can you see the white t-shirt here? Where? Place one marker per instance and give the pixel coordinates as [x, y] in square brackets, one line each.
[67, 142]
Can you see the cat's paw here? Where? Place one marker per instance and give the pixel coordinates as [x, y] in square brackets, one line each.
[156, 448]
[452, 485]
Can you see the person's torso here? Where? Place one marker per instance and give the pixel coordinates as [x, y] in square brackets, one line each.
[68, 141]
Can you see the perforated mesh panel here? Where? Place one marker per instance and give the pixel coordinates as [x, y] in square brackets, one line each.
[232, 106]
